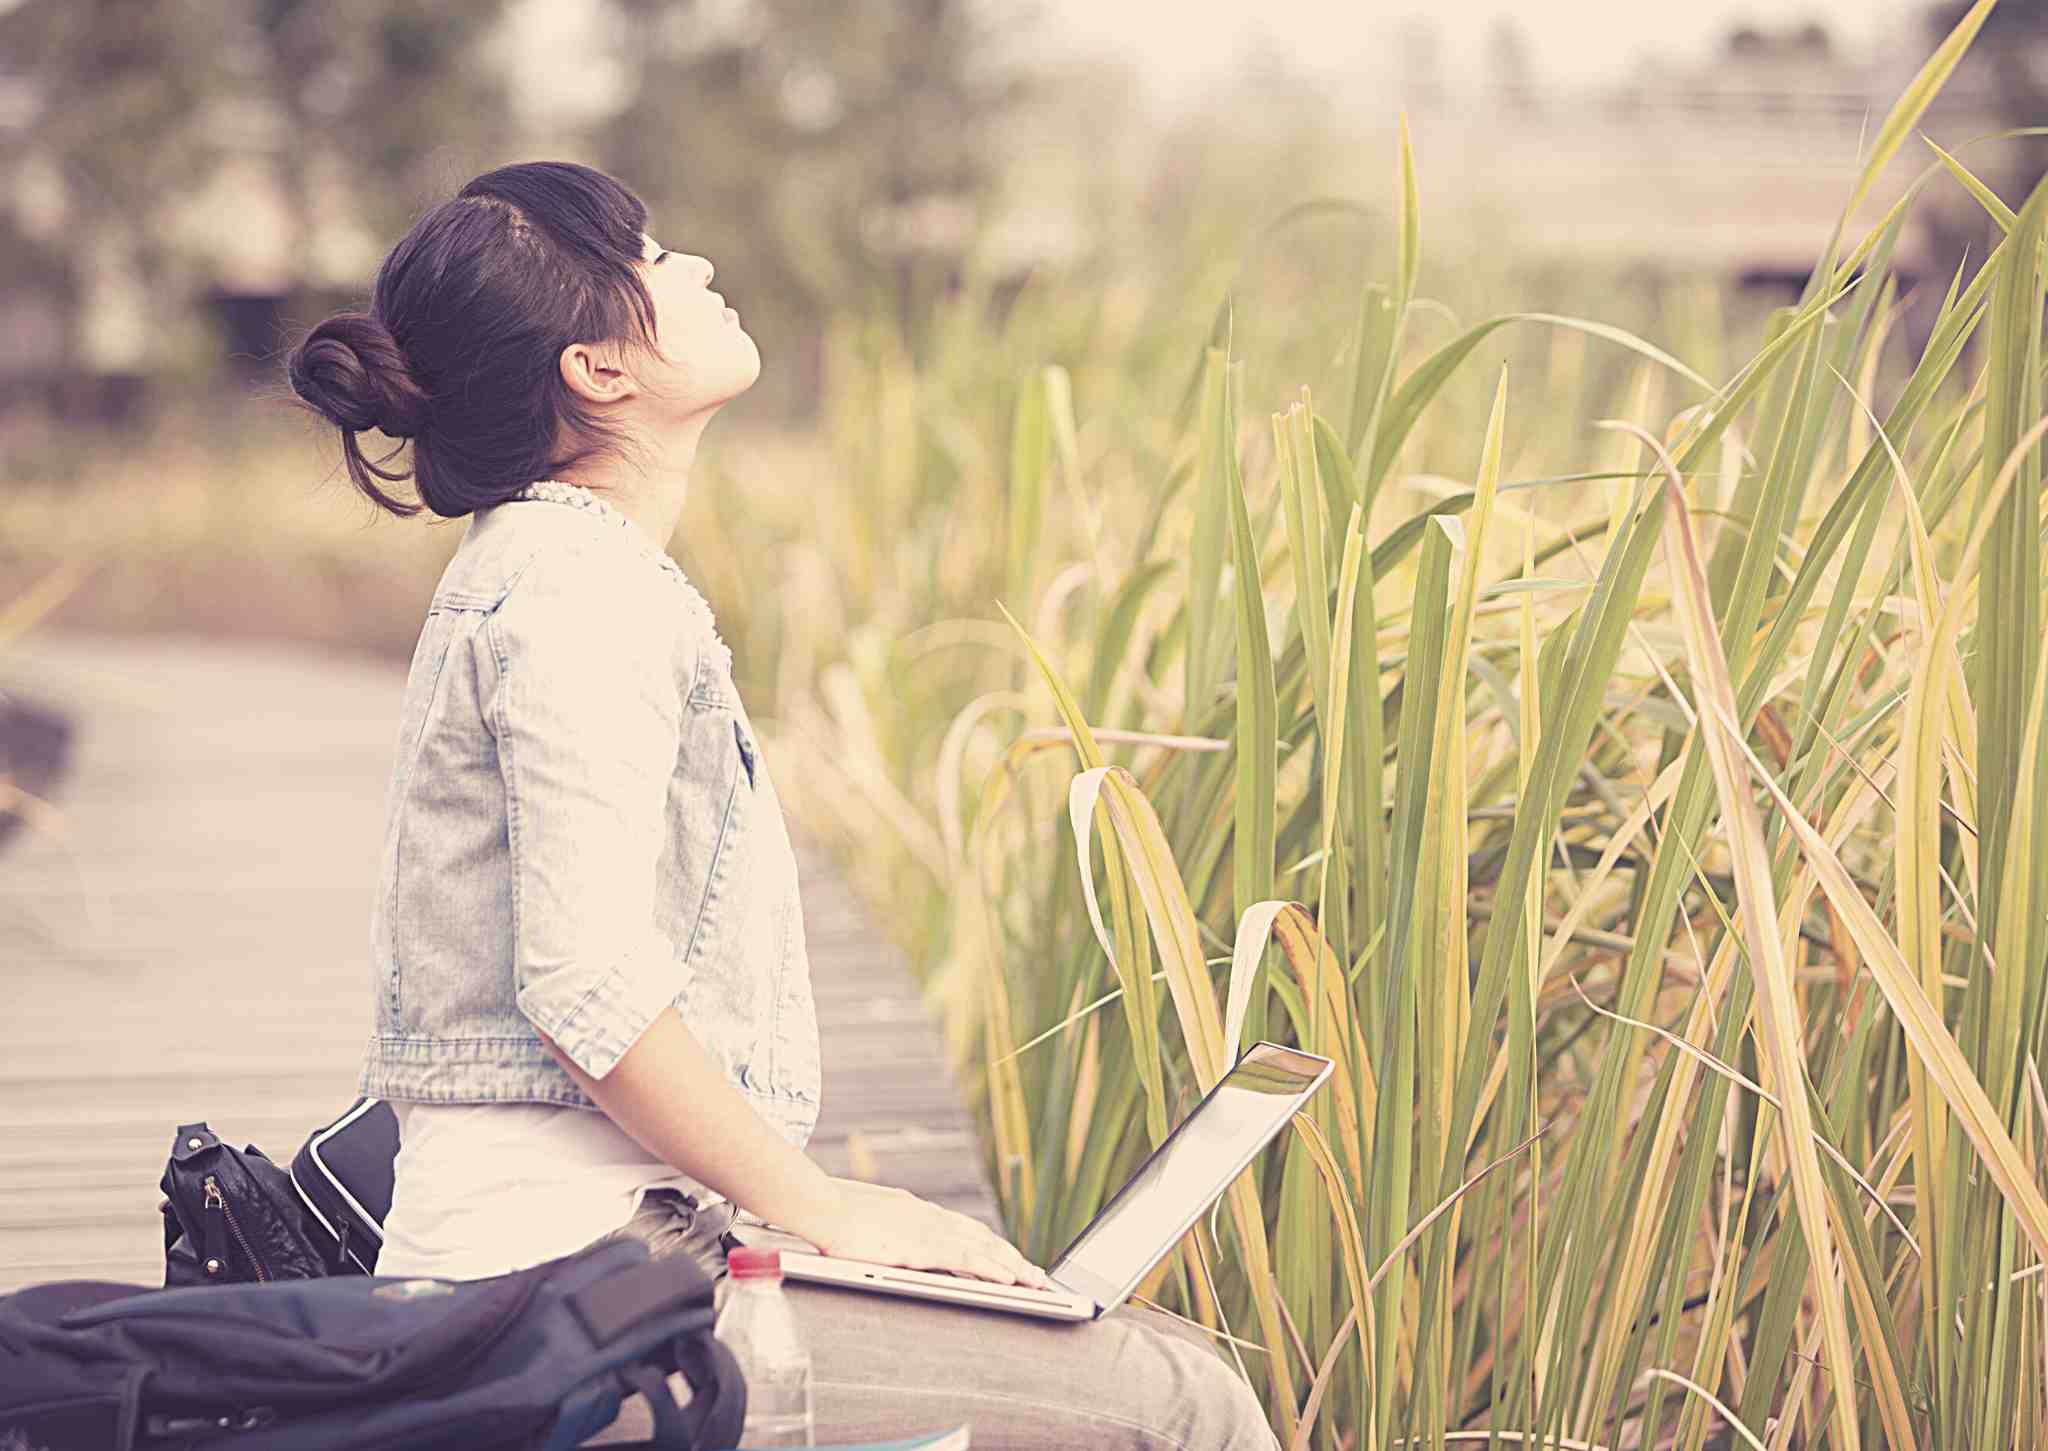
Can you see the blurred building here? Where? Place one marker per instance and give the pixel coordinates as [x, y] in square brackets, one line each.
[1736, 167]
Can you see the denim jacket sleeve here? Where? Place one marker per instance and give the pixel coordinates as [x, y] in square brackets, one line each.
[587, 712]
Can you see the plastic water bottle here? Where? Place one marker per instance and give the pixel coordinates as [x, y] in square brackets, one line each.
[758, 1327]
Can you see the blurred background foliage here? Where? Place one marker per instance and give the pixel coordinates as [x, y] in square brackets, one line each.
[185, 185]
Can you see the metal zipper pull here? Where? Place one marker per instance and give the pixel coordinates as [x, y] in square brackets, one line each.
[252, 1419]
[216, 1200]
[218, 1204]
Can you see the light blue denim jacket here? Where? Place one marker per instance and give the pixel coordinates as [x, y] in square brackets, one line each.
[579, 830]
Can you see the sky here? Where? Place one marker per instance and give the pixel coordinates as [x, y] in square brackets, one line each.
[1570, 42]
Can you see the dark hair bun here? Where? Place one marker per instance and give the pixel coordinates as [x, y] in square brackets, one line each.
[458, 345]
[352, 370]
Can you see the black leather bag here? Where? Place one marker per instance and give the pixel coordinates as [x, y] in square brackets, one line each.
[231, 1217]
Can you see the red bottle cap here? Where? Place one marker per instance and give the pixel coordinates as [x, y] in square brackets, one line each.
[754, 1264]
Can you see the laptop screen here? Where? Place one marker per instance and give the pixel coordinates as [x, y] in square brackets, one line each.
[1186, 1173]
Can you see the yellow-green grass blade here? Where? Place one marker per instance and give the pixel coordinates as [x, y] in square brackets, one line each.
[1114, 639]
[1132, 971]
[1301, 481]
[1923, 1027]
[1520, 1057]
[1354, 643]
[1354, 749]
[1406, 992]
[1319, 974]
[1216, 482]
[1917, 856]
[1247, 955]
[1383, 322]
[1173, 926]
[1781, 1034]
[1862, 496]
[1864, 506]
[1066, 443]
[1917, 97]
[1257, 735]
[1343, 683]
[1375, 345]
[1301, 494]
[1344, 1215]
[1861, 1277]
[1919, 767]
[1410, 260]
[1711, 1357]
[1985, 197]
[1589, 656]
[1422, 386]
[1131, 953]
[1445, 805]
[1443, 979]
[1303, 1249]
[2007, 632]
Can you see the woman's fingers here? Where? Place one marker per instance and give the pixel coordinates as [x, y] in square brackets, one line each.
[921, 1235]
[989, 1266]
[1012, 1267]
[1014, 1264]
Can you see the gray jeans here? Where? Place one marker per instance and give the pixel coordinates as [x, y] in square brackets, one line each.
[884, 1367]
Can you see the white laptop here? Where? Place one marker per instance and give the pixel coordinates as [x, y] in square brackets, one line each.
[1136, 1228]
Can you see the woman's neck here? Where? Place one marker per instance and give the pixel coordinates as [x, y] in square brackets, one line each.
[649, 490]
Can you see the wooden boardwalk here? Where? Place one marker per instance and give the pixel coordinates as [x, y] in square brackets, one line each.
[188, 940]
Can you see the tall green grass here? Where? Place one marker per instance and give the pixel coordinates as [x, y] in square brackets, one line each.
[1632, 781]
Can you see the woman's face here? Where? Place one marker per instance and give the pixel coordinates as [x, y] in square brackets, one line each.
[707, 357]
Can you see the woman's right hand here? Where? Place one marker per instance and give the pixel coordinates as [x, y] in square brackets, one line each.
[889, 1226]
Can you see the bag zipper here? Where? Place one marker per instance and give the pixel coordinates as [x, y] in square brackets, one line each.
[216, 1200]
[253, 1419]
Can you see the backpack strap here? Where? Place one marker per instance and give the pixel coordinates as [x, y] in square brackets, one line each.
[613, 1306]
[718, 1398]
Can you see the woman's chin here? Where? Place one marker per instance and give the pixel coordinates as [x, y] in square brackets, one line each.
[750, 365]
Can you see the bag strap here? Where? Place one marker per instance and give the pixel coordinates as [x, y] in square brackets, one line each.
[718, 1398]
[611, 1307]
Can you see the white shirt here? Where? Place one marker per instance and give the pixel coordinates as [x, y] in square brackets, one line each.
[487, 1188]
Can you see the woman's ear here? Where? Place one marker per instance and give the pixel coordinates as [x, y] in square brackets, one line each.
[595, 373]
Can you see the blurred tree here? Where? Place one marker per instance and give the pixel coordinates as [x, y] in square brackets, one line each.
[820, 155]
[280, 115]
[823, 155]
[388, 102]
[108, 130]
[1510, 72]
[1418, 51]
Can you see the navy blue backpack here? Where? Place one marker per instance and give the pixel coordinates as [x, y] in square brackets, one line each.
[540, 1359]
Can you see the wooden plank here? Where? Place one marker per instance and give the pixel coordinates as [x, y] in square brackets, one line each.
[191, 941]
